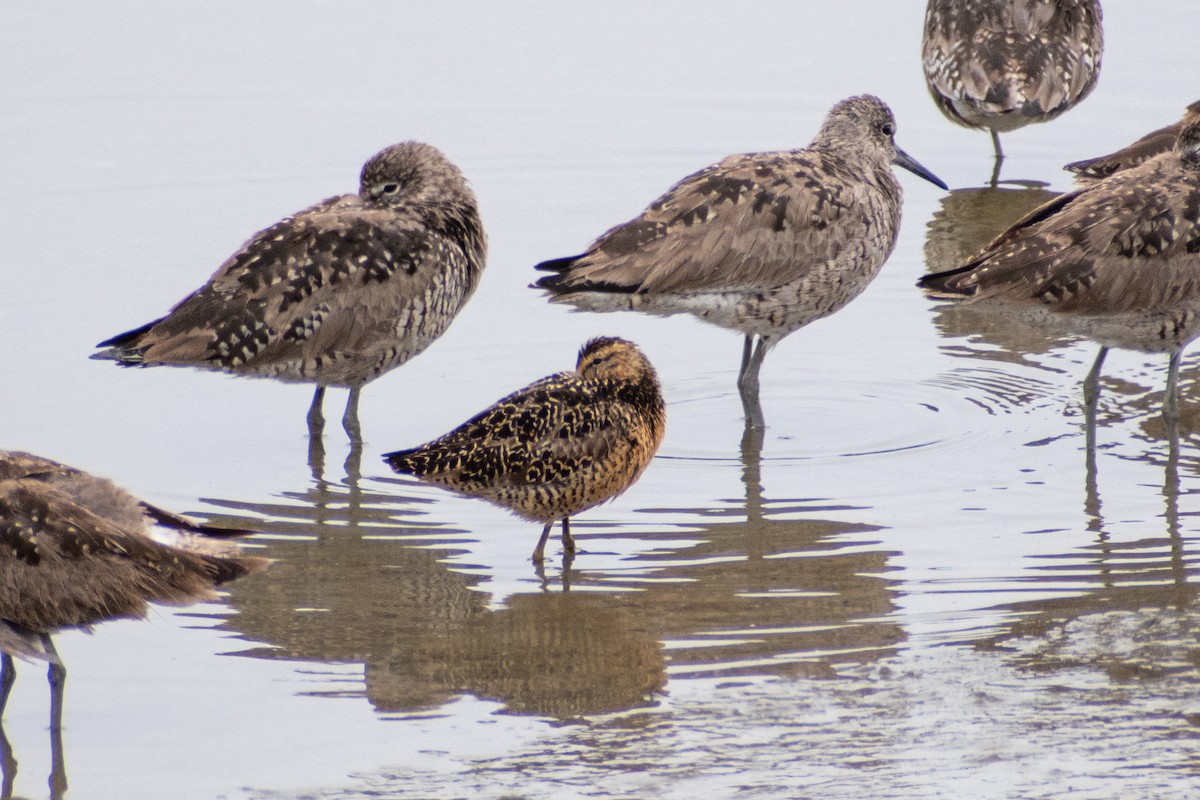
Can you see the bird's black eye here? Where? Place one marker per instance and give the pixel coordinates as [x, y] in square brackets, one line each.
[888, 128]
[391, 188]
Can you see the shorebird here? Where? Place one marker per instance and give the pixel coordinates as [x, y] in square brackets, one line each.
[763, 243]
[1150, 145]
[559, 446]
[1002, 64]
[337, 294]
[75, 551]
[1117, 261]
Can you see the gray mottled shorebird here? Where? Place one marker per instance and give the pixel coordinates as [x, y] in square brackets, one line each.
[75, 551]
[337, 294]
[1117, 261]
[763, 243]
[1002, 64]
[559, 446]
[1150, 145]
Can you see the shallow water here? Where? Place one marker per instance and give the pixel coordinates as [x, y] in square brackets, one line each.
[919, 582]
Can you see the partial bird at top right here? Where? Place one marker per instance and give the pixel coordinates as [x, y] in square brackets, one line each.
[1002, 64]
[1162, 140]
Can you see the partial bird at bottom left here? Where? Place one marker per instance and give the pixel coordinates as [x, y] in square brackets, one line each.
[76, 550]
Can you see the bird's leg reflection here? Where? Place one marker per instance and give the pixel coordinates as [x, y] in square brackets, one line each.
[1179, 565]
[353, 465]
[8, 765]
[752, 445]
[567, 561]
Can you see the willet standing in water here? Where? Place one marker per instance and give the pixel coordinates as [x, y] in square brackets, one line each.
[1117, 262]
[1150, 145]
[337, 294]
[557, 447]
[1002, 64]
[75, 551]
[763, 243]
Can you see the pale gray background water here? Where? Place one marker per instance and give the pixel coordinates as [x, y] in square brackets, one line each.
[931, 596]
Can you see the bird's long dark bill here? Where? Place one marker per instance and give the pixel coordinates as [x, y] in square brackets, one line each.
[903, 159]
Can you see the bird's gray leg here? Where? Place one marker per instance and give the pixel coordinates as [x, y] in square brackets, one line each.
[1091, 384]
[316, 435]
[8, 676]
[57, 675]
[316, 420]
[568, 542]
[539, 552]
[748, 383]
[747, 351]
[350, 418]
[8, 762]
[1171, 401]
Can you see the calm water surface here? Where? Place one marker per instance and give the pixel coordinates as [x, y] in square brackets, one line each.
[919, 582]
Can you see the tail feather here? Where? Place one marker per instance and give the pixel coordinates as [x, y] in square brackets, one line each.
[123, 347]
[401, 461]
[561, 268]
[564, 281]
[178, 522]
[950, 284]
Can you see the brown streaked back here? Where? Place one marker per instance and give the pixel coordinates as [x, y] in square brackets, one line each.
[1127, 244]
[558, 446]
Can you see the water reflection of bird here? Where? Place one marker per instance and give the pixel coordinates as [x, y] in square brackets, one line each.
[74, 551]
[1133, 613]
[961, 228]
[337, 294]
[762, 243]
[557, 447]
[360, 576]
[1116, 262]
[1002, 64]
[1150, 145]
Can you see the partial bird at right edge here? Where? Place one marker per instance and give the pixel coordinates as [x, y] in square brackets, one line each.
[1117, 262]
[762, 243]
[1091, 170]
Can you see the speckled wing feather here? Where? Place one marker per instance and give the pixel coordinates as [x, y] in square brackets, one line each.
[61, 565]
[1141, 235]
[749, 221]
[326, 281]
[539, 434]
